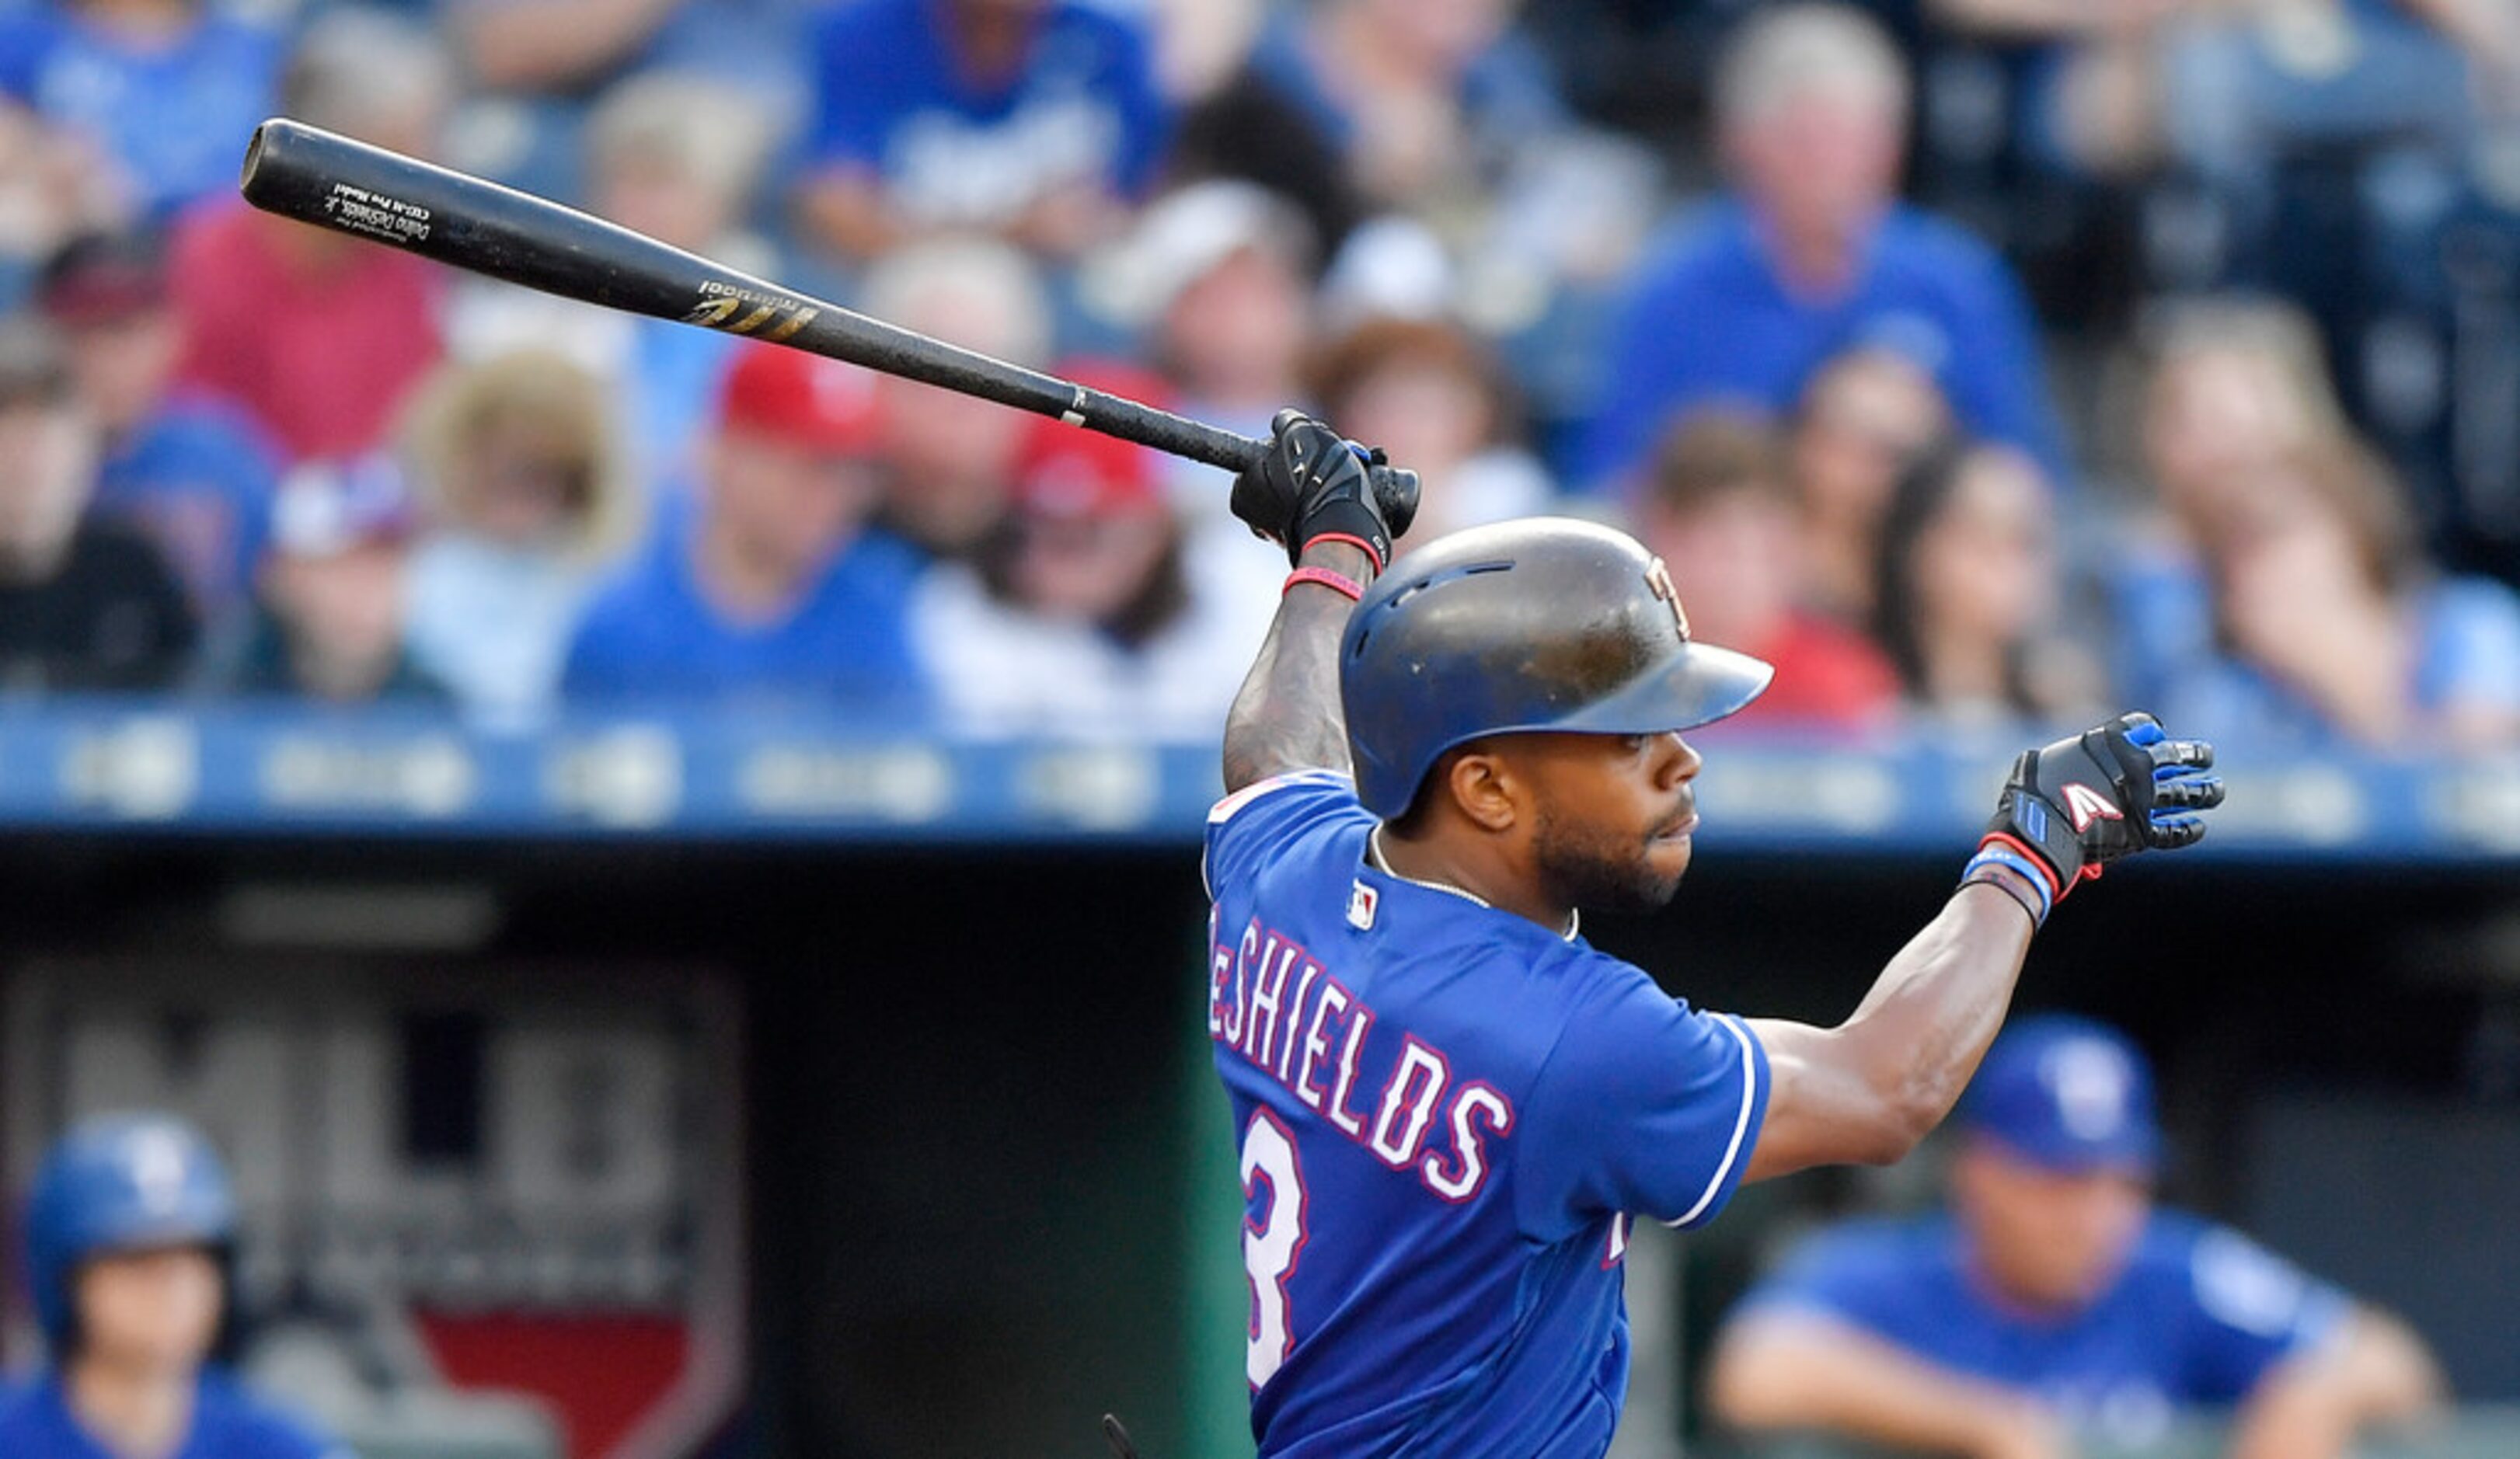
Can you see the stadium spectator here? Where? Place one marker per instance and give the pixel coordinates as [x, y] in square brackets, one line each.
[162, 92]
[2236, 383]
[189, 472]
[676, 155]
[330, 626]
[1436, 399]
[53, 187]
[1865, 416]
[2333, 626]
[949, 458]
[768, 583]
[2245, 87]
[316, 335]
[1812, 255]
[1038, 120]
[83, 605]
[1428, 103]
[1219, 278]
[2114, 88]
[2090, 75]
[564, 50]
[2054, 1303]
[2236, 386]
[1965, 592]
[1084, 618]
[1201, 44]
[1718, 510]
[526, 506]
[130, 1234]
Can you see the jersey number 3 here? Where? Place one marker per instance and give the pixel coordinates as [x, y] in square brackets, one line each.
[1273, 1240]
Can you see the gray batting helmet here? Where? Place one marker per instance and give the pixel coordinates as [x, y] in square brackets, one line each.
[1544, 623]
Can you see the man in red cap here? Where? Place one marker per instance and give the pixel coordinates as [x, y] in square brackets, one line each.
[768, 583]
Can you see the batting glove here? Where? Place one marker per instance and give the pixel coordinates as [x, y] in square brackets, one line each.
[1315, 484]
[2075, 808]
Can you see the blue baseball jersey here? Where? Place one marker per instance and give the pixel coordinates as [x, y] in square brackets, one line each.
[2198, 1316]
[894, 102]
[228, 1423]
[1708, 320]
[652, 631]
[1446, 1116]
[167, 112]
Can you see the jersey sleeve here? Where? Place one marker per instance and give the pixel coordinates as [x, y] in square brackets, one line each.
[2251, 1310]
[1645, 1105]
[1246, 828]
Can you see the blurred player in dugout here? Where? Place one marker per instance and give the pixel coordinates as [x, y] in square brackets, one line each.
[129, 1233]
[2054, 1302]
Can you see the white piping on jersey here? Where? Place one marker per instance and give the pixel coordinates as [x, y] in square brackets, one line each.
[1740, 1125]
[1373, 855]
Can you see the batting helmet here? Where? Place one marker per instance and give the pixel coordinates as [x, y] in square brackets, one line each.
[119, 1184]
[1544, 623]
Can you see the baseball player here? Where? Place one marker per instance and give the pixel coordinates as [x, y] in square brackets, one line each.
[2054, 1299]
[1448, 1106]
[128, 1236]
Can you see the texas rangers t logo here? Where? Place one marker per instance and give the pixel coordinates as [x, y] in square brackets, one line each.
[1659, 579]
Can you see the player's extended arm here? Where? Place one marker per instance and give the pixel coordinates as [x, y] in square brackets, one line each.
[1866, 1090]
[2372, 1369]
[1793, 1370]
[1336, 509]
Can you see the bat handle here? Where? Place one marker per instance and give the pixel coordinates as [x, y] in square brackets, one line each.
[1177, 435]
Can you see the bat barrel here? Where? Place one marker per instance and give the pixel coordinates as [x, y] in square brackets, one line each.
[331, 181]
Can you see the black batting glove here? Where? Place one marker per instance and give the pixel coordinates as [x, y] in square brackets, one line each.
[2077, 807]
[1316, 484]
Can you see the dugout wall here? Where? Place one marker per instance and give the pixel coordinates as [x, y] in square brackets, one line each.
[954, 1098]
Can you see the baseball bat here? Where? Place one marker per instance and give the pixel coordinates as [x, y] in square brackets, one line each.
[471, 223]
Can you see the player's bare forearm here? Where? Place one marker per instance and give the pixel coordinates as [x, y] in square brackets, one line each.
[1287, 715]
[2313, 1406]
[1867, 1091]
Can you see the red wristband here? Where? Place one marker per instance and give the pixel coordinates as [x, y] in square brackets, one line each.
[1352, 540]
[1336, 582]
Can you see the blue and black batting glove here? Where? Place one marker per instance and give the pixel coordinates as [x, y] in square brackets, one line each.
[2073, 809]
[1315, 484]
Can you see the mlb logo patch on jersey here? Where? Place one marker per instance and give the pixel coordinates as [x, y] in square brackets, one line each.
[1362, 900]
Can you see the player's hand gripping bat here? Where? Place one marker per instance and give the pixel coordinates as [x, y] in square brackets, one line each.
[320, 177]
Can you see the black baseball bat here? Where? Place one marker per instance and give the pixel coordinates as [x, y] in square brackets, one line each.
[471, 223]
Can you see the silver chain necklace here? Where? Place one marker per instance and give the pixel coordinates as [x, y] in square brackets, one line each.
[1373, 855]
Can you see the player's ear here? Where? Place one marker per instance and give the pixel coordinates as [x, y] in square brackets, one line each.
[1484, 787]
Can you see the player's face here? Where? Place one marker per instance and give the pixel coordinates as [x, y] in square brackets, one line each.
[153, 1310]
[1612, 816]
[2048, 1238]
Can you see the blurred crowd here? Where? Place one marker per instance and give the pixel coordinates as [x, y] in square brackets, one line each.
[1982, 363]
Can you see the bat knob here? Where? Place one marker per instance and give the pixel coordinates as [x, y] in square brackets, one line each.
[1395, 495]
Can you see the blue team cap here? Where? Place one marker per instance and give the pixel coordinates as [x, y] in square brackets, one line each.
[2066, 1093]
